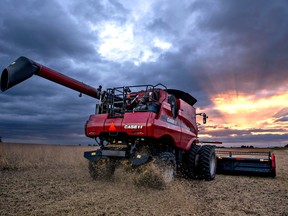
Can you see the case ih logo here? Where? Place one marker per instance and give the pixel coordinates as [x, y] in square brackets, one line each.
[133, 126]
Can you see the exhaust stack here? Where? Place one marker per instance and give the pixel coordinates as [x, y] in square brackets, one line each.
[23, 68]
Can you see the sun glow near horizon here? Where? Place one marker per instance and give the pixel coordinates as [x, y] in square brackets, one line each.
[232, 104]
[242, 115]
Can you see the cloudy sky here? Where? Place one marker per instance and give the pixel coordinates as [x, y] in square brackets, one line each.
[231, 55]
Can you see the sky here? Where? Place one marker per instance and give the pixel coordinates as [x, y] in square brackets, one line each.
[231, 55]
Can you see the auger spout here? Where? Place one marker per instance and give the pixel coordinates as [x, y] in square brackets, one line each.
[23, 68]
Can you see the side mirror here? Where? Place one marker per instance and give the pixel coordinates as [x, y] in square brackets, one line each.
[204, 117]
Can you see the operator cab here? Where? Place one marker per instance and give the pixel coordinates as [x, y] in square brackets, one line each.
[119, 100]
[145, 102]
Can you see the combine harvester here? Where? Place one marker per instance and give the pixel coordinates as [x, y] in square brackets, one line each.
[143, 124]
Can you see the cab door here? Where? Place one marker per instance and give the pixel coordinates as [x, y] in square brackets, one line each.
[187, 119]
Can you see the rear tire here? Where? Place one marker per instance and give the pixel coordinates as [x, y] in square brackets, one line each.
[192, 163]
[207, 162]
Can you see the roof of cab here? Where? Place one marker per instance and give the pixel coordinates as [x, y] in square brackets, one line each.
[182, 95]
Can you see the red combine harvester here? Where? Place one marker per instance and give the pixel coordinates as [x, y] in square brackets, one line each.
[141, 124]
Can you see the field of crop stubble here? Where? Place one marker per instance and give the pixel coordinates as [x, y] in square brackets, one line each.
[54, 180]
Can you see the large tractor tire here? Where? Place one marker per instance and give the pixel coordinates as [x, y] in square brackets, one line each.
[207, 162]
[102, 169]
[192, 162]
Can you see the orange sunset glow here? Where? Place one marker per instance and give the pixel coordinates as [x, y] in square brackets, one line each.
[240, 115]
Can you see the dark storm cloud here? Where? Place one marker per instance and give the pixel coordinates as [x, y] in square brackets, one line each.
[219, 46]
[246, 42]
[158, 25]
[47, 118]
[168, 70]
[45, 130]
[253, 34]
[57, 37]
[42, 29]
[95, 11]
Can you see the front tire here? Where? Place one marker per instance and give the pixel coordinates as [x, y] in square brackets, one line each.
[167, 164]
[158, 173]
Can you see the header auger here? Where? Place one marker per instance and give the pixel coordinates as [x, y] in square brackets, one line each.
[140, 124]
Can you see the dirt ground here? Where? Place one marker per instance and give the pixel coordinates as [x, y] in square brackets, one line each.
[54, 180]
